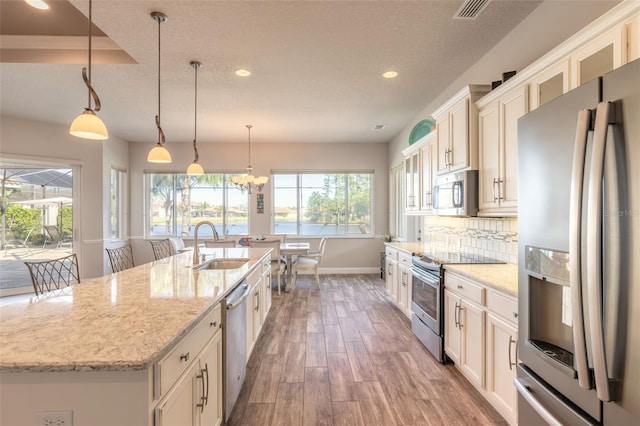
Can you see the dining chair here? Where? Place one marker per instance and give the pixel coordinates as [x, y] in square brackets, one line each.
[49, 275]
[277, 266]
[219, 243]
[121, 258]
[162, 248]
[309, 262]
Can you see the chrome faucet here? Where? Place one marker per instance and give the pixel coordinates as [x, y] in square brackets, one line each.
[196, 250]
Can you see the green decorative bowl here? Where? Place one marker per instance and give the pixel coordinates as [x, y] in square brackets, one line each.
[421, 129]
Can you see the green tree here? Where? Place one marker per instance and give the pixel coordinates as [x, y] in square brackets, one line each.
[20, 220]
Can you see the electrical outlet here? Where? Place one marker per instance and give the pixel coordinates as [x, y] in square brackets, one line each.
[55, 418]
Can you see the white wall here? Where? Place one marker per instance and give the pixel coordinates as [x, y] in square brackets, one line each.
[31, 140]
[355, 254]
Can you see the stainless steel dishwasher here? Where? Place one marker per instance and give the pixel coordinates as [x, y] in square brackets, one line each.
[234, 343]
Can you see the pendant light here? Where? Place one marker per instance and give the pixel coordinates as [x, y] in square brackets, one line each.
[159, 154]
[195, 168]
[88, 125]
[249, 182]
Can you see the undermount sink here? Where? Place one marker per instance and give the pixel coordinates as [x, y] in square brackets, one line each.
[227, 263]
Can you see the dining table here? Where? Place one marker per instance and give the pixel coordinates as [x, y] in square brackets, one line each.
[288, 250]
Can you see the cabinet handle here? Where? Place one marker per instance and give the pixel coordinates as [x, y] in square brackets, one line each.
[202, 398]
[206, 370]
[460, 287]
[495, 197]
[446, 158]
[500, 197]
[213, 324]
[257, 296]
[511, 363]
[456, 315]
[184, 357]
[427, 196]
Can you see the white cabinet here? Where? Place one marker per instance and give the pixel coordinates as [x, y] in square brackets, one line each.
[599, 56]
[498, 156]
[266, 289]
[465, 327]
[258, 302]
[391, 283]
[457, 131]
[633, 39]
[502, 338]
[428, 164]
[412, 182]
[195, 397]
[549, 84]
[404, 285]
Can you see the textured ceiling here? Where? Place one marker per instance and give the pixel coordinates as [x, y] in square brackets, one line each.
[316, 65]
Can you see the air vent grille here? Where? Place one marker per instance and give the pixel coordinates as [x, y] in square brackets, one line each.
[471, 9]
[378, 127]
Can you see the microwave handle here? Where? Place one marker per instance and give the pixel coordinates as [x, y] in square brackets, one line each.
[456, 194]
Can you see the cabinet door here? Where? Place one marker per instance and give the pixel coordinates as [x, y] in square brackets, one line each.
[179, 406]
[459, 138]
[501, 366]
[266, 292]
[391, 274]
[250, 323]
[633, 39]
[428, 164]
[404, 289]
[443, 143]
[489, 173]
[254, 304]
[472, 324]
[410, 198]
[452, 336]
[598, 57]
[513, 106]
[549, 84]
[211, 371]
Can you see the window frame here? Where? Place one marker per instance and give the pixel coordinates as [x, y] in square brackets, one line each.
[226, 185]
[299, 189]
[119, 197]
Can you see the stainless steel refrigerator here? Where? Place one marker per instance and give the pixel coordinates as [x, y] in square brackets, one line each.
[579, 255]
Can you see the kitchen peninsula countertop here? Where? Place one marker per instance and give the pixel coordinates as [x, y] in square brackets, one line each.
[118, 322]
[502, 277]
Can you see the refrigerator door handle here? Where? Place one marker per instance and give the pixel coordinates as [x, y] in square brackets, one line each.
[575, 247]
[604, 115]
[523, 390]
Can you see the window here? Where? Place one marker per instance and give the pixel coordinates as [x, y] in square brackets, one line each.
[118, 185]
[178, 202]
[322, 203]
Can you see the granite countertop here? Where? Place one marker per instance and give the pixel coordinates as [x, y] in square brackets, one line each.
[122, 321]
[501, 277]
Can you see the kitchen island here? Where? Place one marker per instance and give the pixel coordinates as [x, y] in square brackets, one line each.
[97, 349]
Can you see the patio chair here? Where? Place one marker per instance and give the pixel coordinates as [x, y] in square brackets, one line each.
[55, 236]
[121, 258]
[49, 275]
[162, 248]
[17, 242]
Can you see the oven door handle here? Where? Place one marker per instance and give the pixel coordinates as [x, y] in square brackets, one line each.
[429, 280]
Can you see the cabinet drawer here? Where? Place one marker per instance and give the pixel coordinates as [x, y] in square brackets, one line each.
[169, 368]
[404, 259]
[255, 276]
[461, 286]
[504, 306]
[391, 253]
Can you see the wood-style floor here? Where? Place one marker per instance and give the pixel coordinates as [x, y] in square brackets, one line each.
[345, 355]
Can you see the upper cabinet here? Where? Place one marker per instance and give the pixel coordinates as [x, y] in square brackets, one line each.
[599, 56]
[549, 84]
[457, 129]
[498, 152]
[633, 39]
[419, 169]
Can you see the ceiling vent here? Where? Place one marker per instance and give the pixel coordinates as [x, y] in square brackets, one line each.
[471, 9]
[378, 127]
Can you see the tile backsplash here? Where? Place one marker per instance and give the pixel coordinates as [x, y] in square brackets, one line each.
[491, 237]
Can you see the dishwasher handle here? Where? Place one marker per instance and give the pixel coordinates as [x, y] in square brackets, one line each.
[232, 304]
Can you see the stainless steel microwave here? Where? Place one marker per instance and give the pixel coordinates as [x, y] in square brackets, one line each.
[456, 194]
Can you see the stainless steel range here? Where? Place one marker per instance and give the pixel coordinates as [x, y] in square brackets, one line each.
[427, 305]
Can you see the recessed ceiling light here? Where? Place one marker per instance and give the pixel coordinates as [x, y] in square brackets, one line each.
[242, 73]
[38, 4]
[390, 74]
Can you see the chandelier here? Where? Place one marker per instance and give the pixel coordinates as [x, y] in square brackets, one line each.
[249, 182]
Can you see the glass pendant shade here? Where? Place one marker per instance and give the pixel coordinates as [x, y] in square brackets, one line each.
[195, 169]
[249, 182]
[89, 126]
[159, 154]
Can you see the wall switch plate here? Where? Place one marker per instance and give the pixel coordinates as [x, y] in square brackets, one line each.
[55, 418]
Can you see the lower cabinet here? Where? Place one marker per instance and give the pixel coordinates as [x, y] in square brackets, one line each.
[403, 297]
[391, 283]
[196, 399]
[481, 334]
[258, 303]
